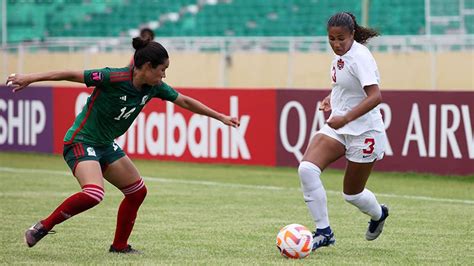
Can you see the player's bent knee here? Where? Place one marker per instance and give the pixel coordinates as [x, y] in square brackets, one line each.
[139, 195]
[95, 192]
[309, 176]
[136, 192]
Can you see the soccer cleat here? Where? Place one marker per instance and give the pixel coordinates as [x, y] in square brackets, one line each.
[127, 250]
[322, 240]
[35, 233]
[375, 227]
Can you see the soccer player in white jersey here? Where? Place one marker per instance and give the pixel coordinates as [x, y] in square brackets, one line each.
[354, 129]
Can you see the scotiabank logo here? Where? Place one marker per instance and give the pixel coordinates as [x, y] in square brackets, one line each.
[169, 133]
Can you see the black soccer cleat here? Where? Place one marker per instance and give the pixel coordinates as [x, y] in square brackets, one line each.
[127, 250]
[322, 240]
[375, 227]
[35, 233]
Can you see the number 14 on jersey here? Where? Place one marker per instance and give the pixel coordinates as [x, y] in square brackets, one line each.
[125, 114]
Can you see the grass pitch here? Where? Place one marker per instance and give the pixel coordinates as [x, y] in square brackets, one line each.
[219, 215]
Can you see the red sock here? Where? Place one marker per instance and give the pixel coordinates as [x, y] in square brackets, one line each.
[90, 196]
[127, 213]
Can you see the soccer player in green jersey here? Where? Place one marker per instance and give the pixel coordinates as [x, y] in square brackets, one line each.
[89, 148]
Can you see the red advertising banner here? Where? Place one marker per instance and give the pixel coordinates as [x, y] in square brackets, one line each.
[427, 131]
[68, 102]
[165, 131]
[298, 119]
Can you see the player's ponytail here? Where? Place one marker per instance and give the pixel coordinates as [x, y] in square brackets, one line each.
[348, 20]
[139, 43]
[148, 51]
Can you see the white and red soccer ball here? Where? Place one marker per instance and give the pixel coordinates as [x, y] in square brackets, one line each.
[294, 241]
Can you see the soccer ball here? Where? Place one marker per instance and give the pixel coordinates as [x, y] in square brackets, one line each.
[294, 241]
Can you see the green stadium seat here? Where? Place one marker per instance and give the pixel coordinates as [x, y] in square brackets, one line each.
[469, 22]
[36, 19]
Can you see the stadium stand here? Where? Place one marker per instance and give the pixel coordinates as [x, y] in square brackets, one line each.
[34, 19]
[37, 19]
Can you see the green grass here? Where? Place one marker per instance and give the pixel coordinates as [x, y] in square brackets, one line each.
[220, 214]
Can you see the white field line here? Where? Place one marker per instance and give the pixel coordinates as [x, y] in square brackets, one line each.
[229, 185]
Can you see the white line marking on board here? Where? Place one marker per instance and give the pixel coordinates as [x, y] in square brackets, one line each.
[230, 185]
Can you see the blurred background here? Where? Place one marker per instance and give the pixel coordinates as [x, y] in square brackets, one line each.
[425, 44]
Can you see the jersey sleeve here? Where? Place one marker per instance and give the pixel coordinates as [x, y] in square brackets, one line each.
[97, 77]
[166, 92]
[365, 69]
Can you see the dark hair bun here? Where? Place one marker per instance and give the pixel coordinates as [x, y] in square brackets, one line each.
[139, 43]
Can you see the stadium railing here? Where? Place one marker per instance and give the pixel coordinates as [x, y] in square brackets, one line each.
[13, 56]
[403, 43]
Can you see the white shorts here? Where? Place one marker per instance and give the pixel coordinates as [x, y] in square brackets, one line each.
[364, 148]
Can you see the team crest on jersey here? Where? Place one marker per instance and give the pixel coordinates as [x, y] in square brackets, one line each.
[96, 76]
[340, 64]
[91, 151]
[144, 99]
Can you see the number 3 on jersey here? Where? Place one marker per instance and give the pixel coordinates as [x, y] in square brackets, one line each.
[123, 114]
[371, 143]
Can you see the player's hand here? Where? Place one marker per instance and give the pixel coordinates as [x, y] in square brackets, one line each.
[17, 81]
[337, 121]
[325, 104]
[230, 121]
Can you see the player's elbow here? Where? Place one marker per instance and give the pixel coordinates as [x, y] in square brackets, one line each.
[379, 98]
[376, 98]
[373, 94]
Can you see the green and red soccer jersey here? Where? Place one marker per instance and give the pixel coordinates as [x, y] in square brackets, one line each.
[113, 105]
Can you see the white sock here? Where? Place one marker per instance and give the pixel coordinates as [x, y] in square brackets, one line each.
[366, 202]
[314, 193]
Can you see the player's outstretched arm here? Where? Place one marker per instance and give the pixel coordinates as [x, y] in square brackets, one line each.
[21, 81]
[196, 106]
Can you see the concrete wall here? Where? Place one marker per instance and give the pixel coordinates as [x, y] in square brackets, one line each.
[399, 71]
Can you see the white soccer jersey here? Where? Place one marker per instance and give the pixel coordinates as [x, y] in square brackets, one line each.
[350, 73]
